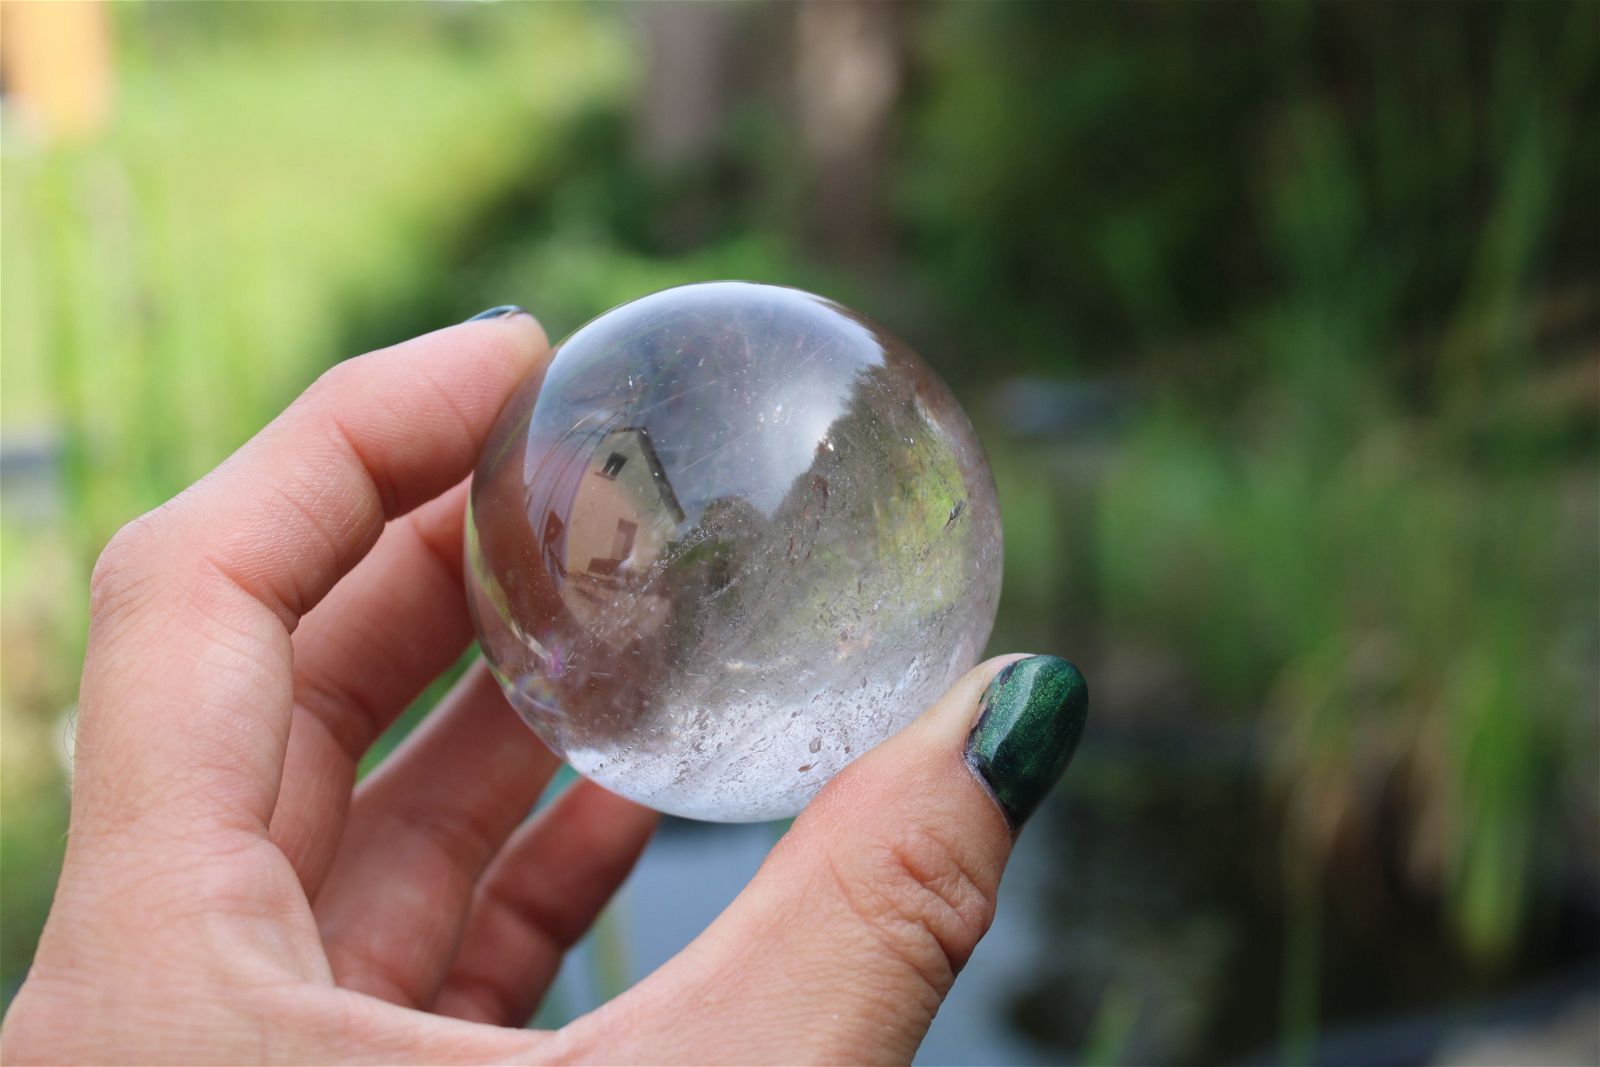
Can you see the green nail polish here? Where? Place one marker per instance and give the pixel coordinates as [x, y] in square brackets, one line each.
[504, 311]
[1029, 724]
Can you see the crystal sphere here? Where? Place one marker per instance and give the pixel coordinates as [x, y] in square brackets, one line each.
[729, 538]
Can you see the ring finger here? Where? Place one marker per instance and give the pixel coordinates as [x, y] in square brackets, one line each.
[421, 830]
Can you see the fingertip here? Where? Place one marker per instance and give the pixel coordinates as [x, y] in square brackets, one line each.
[1014, 721]
[983, 675]
[1029, 723]
[953, 714]
[501, 311]
[914, 767]
[614, 810]
[515, 323]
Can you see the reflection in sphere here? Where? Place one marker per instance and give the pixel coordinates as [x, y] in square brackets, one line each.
[731, 537]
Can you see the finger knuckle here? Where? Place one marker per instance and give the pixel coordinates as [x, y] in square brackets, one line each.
[920, 893]
[125, 570]
[336, 380]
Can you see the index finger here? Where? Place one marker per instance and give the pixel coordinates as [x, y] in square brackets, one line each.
[187, 688]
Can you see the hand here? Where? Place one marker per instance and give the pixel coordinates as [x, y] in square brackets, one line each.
[227, 897]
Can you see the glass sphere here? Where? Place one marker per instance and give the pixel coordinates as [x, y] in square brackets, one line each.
[728, 539]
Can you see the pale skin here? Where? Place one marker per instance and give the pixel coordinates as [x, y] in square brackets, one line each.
[231, 895]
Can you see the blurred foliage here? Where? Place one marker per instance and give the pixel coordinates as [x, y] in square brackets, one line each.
[276, 181]
[1360, 494]
[1314, 287]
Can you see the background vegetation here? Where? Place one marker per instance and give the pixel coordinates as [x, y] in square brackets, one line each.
[1281, 323]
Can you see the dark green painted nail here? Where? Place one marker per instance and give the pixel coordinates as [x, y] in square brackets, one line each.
[504, 311]
[1029, 723]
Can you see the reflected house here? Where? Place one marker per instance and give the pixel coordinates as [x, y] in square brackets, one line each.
[619, 516]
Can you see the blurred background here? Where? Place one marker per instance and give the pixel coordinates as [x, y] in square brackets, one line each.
[1281, 324]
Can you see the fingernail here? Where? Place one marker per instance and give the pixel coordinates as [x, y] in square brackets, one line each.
[1029, 723]
[504, 311]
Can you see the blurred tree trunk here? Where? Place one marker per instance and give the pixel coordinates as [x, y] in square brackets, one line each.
[849, 66]
[830, 72]
[687, 80]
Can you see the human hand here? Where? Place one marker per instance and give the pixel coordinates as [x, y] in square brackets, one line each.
[228, 896]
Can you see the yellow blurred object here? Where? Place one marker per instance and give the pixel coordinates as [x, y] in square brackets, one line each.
[56, 59]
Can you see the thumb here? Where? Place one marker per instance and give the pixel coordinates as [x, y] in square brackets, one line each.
[845, 943]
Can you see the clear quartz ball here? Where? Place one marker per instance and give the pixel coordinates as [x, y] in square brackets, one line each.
[728, 539]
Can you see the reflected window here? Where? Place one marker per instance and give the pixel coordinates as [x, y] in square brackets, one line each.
[613, 466]
[552, 547]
